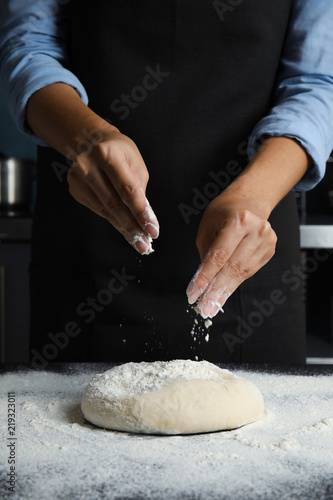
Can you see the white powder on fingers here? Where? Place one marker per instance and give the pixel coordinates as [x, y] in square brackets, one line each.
[143, 239]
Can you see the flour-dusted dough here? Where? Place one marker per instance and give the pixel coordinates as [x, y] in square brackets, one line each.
[171, 397]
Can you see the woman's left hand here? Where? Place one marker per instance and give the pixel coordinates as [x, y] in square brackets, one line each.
[234, 241]
[235, 238]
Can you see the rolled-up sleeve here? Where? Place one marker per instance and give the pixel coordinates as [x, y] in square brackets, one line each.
[303, 104]
[33, 42]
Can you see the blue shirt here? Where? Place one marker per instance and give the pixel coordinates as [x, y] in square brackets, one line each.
[33, 55]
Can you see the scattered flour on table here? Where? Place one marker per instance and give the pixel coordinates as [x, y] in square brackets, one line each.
[59, 455]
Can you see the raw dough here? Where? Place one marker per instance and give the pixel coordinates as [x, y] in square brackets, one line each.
[171, 397]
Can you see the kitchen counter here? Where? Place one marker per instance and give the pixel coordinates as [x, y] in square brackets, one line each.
[288, 454]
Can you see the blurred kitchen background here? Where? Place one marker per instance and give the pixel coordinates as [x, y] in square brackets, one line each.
[316, 209]
[15, 230]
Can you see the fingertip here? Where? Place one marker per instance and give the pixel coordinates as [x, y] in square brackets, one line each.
[193, 293]
[151, 225]
[152, 229]
[215, 309]
[142, 243]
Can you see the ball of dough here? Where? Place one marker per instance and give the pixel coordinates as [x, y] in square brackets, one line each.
[171, 397]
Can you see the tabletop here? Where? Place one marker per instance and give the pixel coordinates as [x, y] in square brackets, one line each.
[50, 451]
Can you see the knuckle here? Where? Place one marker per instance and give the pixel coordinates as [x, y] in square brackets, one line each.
[115, 153]
[244, 274]
[264, 228]
[244, 217]
[112, 204]
[103, 149]
[202, 280]
[267, 232]
[116, 157]
[233, 269]
[127, 190]
[81, 169]
[102, 152]
[241, 220]
[104, 212]
[219, 257]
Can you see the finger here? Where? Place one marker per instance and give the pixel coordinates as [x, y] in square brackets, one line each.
[234, 284]
[234, 272]
[247, 259]
[99, 182]
[219, 253]
[212, 302]
[132, 194]
[109, 202]
[136, 238]
[83, 193]
[217, 303]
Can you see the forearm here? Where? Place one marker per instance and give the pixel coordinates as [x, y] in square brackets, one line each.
[33, 55]
[277, 167]
[58, 116]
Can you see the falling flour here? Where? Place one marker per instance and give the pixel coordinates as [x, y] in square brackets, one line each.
[199, 330]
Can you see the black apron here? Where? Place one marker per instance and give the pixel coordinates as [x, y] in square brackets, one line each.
[187, 81]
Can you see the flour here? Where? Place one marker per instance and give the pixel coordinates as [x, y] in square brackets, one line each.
[138, 378]
[60, 456]
[174, 397]
[143, 239]
[200, 330]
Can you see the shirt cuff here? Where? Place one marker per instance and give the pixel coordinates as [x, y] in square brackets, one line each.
[289, 127]
[38, 81]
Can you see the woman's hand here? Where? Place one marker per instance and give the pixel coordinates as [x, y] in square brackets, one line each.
[235, 238]
[111, 180]
[111, 177]
[234, 241]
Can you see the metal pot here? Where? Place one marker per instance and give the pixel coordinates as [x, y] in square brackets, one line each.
[15, 186]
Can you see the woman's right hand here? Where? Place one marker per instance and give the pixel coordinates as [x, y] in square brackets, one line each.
[111, 180]
[110, 177]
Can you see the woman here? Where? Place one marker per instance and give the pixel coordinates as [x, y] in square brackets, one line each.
[176, 90]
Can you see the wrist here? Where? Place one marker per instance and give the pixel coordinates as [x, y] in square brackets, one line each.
[244, 192]
[89, 137]
[279, 164]
[244, 199]
[59, 117]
